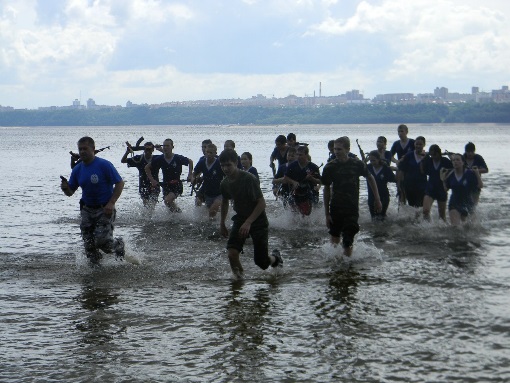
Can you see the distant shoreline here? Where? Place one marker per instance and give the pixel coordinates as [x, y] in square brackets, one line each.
[263, 116]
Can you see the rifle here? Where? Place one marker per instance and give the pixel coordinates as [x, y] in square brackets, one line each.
[361, 152]
[195, 187]
[137, 145]
[75, 157]
[100, 150]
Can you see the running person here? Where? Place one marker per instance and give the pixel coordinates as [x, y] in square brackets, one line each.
[199, 195]
[464, 183]
[250, 218]
[382, 175]
[209, 168]
[302, 176]
[101, 187]
[432, 166]
[171, 166]
[279, 153]
[341, 194]
[471, 159]
[415, 181]
[281, 189]
[148, 194]
[400, 148]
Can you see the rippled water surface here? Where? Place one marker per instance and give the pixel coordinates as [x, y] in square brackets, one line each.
[417, 302]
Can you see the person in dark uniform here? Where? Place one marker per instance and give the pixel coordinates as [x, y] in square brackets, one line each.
[382, 175]
[400, 148]
[250, 219]
[148, 194]
[341, 194]
[171, 166]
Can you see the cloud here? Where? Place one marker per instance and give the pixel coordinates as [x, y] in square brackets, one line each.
[163, 50]
[159, 12]
[94, 13]
[166, 84]
[430, 36]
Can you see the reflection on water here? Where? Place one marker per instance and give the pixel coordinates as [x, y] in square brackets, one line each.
[342, 286]
[246, 329]
[102, 321]
[465, 253]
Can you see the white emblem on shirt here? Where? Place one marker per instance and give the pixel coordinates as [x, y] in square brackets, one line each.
[94, 178]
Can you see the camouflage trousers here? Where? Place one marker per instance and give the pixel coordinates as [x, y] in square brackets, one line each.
[97, 231]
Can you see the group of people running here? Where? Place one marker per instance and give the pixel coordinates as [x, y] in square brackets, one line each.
[421, 177]
[424, 177]
[217, 179]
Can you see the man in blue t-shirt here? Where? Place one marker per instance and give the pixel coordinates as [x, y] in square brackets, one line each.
[101, 187]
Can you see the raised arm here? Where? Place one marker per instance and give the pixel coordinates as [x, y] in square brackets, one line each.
[124, 157]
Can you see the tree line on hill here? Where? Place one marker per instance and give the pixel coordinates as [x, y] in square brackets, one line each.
[245, 115]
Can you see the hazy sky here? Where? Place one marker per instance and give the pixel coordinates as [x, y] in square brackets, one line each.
[150, 51]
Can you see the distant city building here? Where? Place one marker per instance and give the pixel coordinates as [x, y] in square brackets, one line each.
[501, 95]
[441, 92]
[354, 96]
[426, 98]
[394, 98]
[91, 104]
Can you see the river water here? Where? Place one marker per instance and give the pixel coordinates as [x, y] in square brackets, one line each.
[417, 302]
